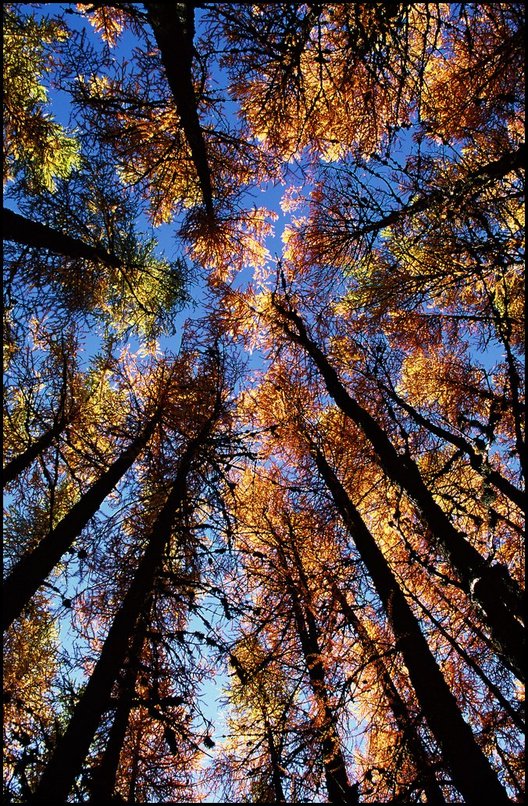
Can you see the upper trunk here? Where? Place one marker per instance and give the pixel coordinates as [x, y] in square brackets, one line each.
[31, 233]
[33, 568]
[173, 26]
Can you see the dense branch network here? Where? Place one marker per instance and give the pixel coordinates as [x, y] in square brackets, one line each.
[266, 544]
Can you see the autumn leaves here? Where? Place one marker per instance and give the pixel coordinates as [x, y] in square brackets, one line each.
[338, 528]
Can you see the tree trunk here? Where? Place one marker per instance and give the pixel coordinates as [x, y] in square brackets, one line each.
[173, 27]
[425, 773]
[33, 568]
[19, 463]
[24, 231]
[338, 786]
[472, 773]
[497, 595]
[276, 774]
[104, 777]
[66, 762]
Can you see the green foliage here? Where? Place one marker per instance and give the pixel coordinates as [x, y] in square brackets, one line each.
[140, 294]
[34, 145]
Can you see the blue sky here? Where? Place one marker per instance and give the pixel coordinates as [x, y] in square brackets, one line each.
[269, 197]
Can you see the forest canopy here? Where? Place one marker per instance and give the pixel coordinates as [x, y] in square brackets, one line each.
[264, 434]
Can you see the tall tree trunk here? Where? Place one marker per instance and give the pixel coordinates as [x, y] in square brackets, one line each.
[66, 762]
[492, 588]
[472, 773]
[27, 232]
[33, 568]
[173, 26]
[338, 786]
[104, 776]
[276, 774]
[425, 773]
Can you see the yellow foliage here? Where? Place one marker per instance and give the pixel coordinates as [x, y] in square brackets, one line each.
[33, 142]
[107, 21]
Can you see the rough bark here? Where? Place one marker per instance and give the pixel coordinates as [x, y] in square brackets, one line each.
[472, 773]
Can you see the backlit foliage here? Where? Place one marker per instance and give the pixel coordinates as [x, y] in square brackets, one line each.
[264, 436]
[33, 143]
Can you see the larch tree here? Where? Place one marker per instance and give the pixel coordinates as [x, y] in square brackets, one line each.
[299, 480]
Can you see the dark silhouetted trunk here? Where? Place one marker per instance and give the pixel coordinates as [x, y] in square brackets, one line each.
[66, 762]
[104, 777]
[32, 569]
[497, 595]
[21, 462]
[24, 231]
[173, 26]
[411, 737]
[472, 773]
[276, 773]
[338, 786]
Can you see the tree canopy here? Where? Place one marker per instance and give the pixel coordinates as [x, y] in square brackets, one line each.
[264, 435]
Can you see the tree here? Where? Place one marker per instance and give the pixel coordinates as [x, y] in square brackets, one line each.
[29, 707]
[282, 404]
[86, 255]
[262, 705]
[32, 569]
[66, 761]
[489, 587]
[468, 764]
[33, 142]
[167, 23]
[275, 533]
[410, 735]
[308, 494]
[56, 370]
